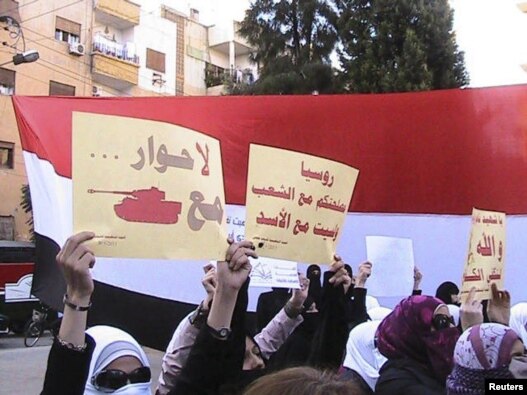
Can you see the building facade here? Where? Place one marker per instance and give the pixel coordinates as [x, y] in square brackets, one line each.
[104, 48]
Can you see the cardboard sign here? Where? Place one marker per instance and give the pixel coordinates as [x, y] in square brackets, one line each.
[147, 189]
[296, 204]
[486, 254]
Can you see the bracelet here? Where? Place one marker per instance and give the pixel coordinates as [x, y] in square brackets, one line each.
[71, 346]
[74, 306]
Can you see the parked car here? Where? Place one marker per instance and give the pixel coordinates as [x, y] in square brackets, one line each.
[17, 259]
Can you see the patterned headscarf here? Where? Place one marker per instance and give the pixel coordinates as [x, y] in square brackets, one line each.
[483, 351]
[406, 333]
[518, 321]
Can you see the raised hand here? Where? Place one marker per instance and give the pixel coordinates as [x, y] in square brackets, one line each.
[364, 273]
[499, 306]
[471, 312]
[300, 295]
[418, 276]
[209, 282]
[341, 275]
[233, 272]
[76, 260]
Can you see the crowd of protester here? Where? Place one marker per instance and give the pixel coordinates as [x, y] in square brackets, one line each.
[327, 337]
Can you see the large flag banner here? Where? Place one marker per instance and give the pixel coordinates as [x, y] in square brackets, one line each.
[296, 204]
[486, 254]
[147, 189]
[421, 158]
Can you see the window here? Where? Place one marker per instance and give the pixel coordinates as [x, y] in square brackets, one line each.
[7, 227]
[67, 31]
[58, 89]
[7, 82]
[155, 60]
[7, 151]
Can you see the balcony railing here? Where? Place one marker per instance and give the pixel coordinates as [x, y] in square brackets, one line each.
[114, 49]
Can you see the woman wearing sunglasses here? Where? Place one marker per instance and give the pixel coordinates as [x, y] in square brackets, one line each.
[418, 338]
[118, 365]
[100, 360]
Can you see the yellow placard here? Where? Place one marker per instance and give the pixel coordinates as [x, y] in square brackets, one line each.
[296, 204]
[486, 254]
[147, 189]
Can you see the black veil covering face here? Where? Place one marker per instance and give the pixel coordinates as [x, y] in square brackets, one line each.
[446, 290]
[314, 274]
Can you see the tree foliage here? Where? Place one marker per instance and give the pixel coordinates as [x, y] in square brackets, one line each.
[395, 46]
[294, 40]
[28, 208]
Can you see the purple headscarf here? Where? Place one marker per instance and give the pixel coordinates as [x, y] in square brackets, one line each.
[483, 351]
[406, 333]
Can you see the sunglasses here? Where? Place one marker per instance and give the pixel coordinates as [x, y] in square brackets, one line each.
[442, 321]
[109, 380]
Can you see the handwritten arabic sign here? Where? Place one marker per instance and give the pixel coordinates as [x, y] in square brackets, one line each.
[392, 257]
[268, 272]
[147, 189]
[486, 254]
[296, 204]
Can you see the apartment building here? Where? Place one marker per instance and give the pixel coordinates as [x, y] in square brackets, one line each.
[104, 48]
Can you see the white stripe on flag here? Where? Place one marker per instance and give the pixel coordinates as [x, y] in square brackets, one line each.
[440, 244]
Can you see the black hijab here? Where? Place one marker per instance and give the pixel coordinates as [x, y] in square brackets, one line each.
[445, 292]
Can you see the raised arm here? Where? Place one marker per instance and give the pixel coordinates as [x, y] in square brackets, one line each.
[70, 355]
[271, 338]
[329, 341]
[185, 335]
[418, 277]
[217, 355]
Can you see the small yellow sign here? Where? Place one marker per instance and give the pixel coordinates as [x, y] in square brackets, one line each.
[486, 254]
[296, 204]
[147, 189]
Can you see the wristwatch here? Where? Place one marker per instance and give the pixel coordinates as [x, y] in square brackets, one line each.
[220, 334]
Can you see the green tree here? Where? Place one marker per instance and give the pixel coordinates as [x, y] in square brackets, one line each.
[28, 208]
[398, 46]
[294, 40]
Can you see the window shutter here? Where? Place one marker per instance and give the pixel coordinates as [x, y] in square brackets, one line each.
[68, 26]
[155, 60]
[58, 89]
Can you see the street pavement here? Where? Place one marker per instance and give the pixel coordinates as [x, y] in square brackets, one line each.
[22, 369]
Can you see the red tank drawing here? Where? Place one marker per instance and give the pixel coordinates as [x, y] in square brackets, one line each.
[145, 205]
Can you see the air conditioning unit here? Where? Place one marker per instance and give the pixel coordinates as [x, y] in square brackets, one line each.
[96, 91]
[77, 49]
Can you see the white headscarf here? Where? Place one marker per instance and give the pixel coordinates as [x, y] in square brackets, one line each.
[454, 312]
[378, 313]
[361, 354]
[371, 302]
[518, 320]
[110, 344]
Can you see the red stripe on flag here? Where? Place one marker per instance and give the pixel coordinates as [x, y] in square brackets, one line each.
[440, 152]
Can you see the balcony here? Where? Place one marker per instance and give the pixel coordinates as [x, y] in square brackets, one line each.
[121, 14]
[114, 64]
[522, 5]
[220, 37]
